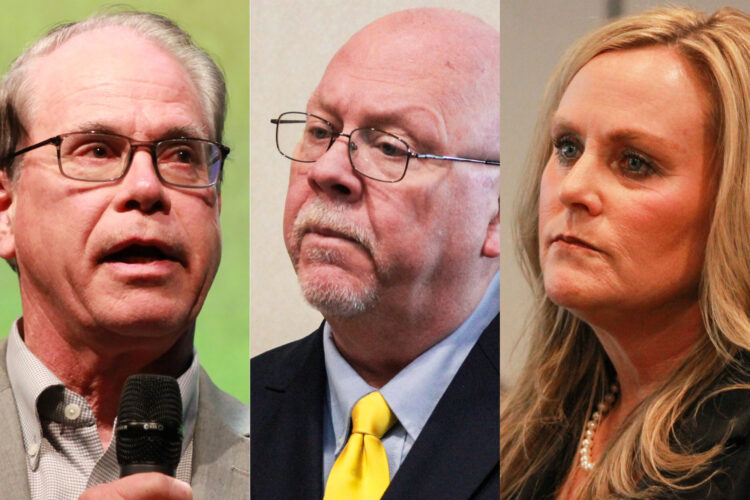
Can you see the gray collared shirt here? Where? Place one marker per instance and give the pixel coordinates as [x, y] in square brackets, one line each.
[412, 394]
[64, 453]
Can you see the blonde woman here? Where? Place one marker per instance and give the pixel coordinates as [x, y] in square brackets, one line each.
[634, 232]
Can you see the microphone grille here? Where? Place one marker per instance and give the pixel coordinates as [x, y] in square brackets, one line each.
[149, 421]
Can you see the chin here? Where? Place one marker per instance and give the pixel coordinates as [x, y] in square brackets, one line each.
[337, 297]
[157, 319]
[146, 327]
[567, 292]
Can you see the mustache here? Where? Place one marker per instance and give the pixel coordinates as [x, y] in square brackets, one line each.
[317, 216]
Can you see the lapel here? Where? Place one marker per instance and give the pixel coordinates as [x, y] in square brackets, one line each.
[288, 392]
[13, 468]
[457, 453]
[221, 443]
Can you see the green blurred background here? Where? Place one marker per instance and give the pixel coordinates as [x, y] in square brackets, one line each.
[222, 29]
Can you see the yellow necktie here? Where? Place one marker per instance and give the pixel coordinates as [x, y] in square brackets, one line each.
[361, 470]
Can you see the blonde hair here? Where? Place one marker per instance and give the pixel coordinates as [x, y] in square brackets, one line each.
[567, 370]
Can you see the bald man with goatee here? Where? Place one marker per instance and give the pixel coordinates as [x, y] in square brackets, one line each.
[392, 226]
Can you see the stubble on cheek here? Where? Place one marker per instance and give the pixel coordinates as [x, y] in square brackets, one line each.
[339, 298]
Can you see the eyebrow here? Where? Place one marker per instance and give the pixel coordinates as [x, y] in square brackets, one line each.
[622, 134]
[170, 133]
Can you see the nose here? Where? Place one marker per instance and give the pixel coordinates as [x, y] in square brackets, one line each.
[580, 186]
[333, 175]
[141, 189]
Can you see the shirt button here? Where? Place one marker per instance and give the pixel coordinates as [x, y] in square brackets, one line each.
[33, 449]
[72, 411]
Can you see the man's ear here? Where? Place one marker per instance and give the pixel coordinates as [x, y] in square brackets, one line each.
[7, 210]
[491, 247]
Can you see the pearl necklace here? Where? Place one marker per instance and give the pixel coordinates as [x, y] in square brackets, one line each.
[596, 418]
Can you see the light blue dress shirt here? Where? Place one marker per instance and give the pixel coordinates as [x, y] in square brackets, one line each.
[412, 394]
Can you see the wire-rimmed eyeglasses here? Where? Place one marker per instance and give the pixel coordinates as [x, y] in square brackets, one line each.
[374, 153]
[104, 157]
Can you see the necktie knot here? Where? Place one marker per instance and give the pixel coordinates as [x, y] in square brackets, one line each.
[361, 470]
[372, 415]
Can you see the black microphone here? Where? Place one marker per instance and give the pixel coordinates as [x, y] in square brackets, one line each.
[149, 425]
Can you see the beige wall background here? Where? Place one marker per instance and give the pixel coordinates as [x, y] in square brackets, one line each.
[534, 35]
[290, 44]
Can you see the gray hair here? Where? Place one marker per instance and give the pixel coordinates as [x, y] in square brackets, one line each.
[203, 71]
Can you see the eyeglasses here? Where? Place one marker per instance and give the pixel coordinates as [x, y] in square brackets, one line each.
[104, 157]
[373, 153]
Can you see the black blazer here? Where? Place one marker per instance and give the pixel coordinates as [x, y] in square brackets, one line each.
[456, 456]
[726, 415]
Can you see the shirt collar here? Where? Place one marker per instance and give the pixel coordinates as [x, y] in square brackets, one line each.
[415, 391]
[29, 377]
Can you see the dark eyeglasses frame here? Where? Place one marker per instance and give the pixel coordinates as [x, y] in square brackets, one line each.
[150, 145]
[335, 135]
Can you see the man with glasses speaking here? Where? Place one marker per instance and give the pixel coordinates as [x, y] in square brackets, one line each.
[110, 142]
[392, 225]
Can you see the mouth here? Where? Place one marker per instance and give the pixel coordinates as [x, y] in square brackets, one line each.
[572, 240]
[142, 253]
[330, 233]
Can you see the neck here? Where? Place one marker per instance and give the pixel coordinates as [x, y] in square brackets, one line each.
[99, 373]
[646, 348]
[381, 342]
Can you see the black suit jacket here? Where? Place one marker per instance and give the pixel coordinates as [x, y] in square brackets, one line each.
[456, 456]
[727, 477]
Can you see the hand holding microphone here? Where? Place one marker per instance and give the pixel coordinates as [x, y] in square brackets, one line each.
[141, 486]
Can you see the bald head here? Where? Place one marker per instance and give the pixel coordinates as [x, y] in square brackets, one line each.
[450, 58]
[453, 38]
